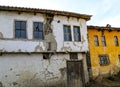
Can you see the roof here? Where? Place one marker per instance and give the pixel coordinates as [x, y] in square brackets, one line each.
[107, 27]
[45, 11]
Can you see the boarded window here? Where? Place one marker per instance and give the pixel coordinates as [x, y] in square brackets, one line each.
[73, 56]
[103, 41]
[20, 29]
[96, 40]
[76, 30]
[116, 41]
[67, 33]
[38, 30]
[104, 60]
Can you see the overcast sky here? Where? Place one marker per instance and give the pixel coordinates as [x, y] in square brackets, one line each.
[103, 11]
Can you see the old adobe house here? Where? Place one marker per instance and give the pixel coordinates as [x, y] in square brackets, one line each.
[42, 48]
[104, 47]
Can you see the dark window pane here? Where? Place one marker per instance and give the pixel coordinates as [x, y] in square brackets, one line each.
[103, 59]
[76, 33]
[17, 25]
[103, 41]
[23, 25]
[116, 41]
[20, 29]
[67, 33]
[96, 40]
[23, 34]
[17, 33]
[36, 34]
[40, 26]
[35, 26]
[41, 35]
[38, 30]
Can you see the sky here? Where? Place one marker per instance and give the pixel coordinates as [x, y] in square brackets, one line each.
[103, 11]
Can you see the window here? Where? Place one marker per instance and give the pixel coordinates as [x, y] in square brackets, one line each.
[67, 33]
[20, 29]
[76, 30]
[38, 30]
[116, 41]
[73, 56]
[103, 59]
[96, 40]
[103, 41]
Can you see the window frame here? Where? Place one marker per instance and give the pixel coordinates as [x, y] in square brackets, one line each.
[70, 35]
[103, 41]
[39, 31]
[78, 34]
[96, 40]
[116, 41]
[103, 62]
[75, 55]
[20, 29]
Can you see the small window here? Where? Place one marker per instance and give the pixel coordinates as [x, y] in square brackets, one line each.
[20, 29]
[76, 30]
[116, 41]
[73, 56]
[67, 33]
[38, 30]
[96, 40]
[103, 41]
[119, 57]
[103, 59]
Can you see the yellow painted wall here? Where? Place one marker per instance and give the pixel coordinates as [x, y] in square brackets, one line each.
[111, 50]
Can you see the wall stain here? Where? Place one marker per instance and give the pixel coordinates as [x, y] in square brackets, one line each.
[82, 39]
[1, 84]
[38, 48]
[66, 49]
[1, 35]
[50, 42]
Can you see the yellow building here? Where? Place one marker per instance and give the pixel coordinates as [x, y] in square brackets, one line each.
[104, 47]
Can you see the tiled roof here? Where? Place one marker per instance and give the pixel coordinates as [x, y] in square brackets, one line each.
[102, 27]
[45, 11]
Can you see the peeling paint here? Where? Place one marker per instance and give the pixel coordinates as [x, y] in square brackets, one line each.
[69, 49]
[82, 40]
[50, 42]
[38, 48]
[1, 35]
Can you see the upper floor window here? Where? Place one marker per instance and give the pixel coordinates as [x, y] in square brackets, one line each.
[67, 33]
[76, 30]
[20, 29]
[96, 40]
[104, 60]
[116, 41]
[38, 30]
[103, 41]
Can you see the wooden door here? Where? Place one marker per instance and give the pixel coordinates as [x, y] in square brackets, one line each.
[74, 74]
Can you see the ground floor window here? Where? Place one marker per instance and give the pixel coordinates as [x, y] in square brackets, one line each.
[104, 59]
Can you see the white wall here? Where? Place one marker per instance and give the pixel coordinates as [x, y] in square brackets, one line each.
[9, 43]
[31, 70]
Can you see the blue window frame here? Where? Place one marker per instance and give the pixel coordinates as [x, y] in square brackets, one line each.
[20, 29]
[76, 30]
[67, 33]
[38, 30]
